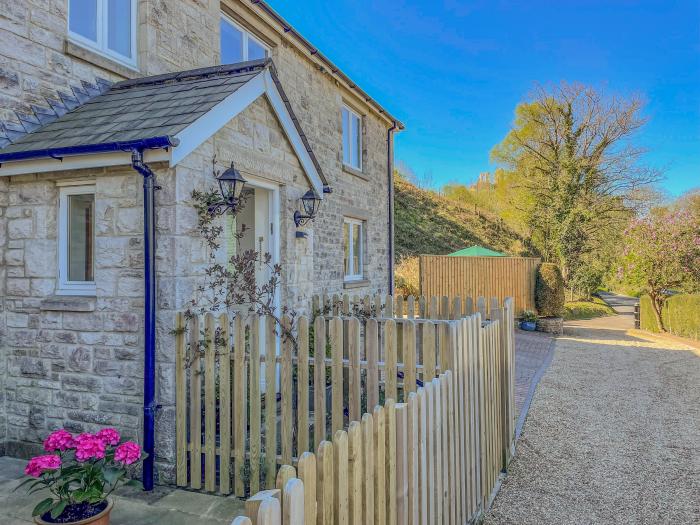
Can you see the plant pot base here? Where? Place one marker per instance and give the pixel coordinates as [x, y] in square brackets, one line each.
[101, 518]
[551, 325]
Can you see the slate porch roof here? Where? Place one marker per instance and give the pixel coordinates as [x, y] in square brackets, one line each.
[144, 108]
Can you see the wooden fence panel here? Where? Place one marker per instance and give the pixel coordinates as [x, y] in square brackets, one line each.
[435, 458]
[500, 277]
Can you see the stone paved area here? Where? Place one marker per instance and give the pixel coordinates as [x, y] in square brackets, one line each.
[612, 434]
[164, 505]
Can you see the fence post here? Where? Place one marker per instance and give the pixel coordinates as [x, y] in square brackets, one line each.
[240, 408]
[180, 400]
[307, 474]
[403, 450]
[224, 408]
[195, 408]
[210, 405]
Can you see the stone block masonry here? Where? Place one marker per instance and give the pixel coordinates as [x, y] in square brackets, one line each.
[77, 362]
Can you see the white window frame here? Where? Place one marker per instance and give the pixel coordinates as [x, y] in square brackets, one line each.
[246, 36]
[101, 46]
[66, 287]
[348, 143]
[355, 275]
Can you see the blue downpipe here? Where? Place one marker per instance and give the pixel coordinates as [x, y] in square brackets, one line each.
[149, 406]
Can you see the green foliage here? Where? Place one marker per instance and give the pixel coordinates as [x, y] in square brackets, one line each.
[586, 309]
[549, 290]
[662, 254]
[407, 276]
[680, 313]
[647, 319]
[528, 316]
[571, 158]
[427, 223]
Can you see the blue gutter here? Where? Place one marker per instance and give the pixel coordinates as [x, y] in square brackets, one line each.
[59, 153]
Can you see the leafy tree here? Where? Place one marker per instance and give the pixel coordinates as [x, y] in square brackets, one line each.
[574, 169]
[662, 254]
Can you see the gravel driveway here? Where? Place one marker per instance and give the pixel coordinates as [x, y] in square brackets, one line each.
[612, 435]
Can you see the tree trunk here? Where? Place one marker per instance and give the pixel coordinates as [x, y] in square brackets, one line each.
[658, 304]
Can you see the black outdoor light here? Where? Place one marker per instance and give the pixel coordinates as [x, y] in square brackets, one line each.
[231, 184]
[310, 202]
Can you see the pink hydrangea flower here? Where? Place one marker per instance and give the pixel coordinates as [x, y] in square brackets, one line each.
[89, 446]
[37, 465]
[109, 435]
[59, 440]
[127, 453]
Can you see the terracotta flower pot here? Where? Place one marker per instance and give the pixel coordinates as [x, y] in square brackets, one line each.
[98, 519]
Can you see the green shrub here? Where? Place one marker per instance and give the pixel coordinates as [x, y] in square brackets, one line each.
[681, 315]
[549, 290]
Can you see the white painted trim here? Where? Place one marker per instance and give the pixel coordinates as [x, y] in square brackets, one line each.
[217, 117]
[75, 182]
[245, 36]
[64, 286]
[352, 114]
[356, 276]
[292, 134]
[97, 160]
[101, 46]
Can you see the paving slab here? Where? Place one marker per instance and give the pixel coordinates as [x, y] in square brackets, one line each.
[164, 505]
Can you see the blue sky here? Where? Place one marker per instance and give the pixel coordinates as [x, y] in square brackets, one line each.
[453, 71]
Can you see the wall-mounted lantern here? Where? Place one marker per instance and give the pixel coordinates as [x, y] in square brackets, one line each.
[231, 184]
[310, 202]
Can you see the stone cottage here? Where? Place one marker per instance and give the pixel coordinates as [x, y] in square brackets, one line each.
[112, 114]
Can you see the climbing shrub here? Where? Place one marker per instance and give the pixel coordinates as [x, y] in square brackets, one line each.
[549, 291]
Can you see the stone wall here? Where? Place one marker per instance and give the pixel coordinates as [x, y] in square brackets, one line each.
[77, 362]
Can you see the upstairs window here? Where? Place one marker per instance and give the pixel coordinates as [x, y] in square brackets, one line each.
[106, 26]
[237, 45]
[352, 139]
[76, 240]
[353, 242]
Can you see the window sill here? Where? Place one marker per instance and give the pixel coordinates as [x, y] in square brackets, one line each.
[360, 283]
[68, 303]
[93, 57]
[354, 171]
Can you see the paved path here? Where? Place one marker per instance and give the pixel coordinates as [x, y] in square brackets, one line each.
[163, 506]
[613, 433]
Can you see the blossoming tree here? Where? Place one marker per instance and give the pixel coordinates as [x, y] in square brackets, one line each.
[662, 253]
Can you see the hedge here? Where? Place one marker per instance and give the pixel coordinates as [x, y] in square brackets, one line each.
[647, 319]
[549, 291]
[681, 315]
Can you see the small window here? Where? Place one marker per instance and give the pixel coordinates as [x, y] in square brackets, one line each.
[237, 45]
[106, 26]
[353, 241]
[352, 139]
[76, 241]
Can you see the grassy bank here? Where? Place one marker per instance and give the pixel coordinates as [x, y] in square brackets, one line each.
[574, 310]
[427, 223]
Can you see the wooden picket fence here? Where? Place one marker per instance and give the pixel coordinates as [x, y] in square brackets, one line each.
[412, 307]
[238, 420]
[436, 457]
